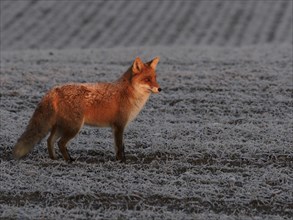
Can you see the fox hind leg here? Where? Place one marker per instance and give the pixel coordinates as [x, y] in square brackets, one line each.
[63, 149]
[67, 134]
[54, 136]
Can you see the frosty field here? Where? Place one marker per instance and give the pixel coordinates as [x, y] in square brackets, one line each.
[216, 143]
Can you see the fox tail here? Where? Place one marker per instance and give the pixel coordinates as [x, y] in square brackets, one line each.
[39, 125]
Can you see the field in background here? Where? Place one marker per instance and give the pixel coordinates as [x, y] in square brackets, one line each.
[94, 24]
[215, 144]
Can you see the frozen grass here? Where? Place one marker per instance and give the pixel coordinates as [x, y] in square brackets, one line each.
[215, 144]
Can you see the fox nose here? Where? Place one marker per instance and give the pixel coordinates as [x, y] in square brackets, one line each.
[159, 89]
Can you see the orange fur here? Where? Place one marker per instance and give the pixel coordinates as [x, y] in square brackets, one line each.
[65, 109]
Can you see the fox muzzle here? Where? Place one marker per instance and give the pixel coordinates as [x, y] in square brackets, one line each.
[156, 90]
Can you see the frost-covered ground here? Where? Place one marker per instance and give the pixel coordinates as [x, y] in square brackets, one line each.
[216, 143]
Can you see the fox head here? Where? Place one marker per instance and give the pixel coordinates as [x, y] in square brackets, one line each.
[144, 78]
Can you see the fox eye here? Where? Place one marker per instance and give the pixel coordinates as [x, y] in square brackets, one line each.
[147, 80]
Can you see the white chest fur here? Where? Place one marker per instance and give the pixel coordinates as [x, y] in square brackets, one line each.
[137, 105]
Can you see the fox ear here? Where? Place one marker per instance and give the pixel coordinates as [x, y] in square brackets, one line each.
[137, 65]
[153, 63]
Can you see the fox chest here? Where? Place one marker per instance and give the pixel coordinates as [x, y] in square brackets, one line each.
[136, 107]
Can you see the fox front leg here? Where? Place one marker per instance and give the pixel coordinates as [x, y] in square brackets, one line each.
[119, 145]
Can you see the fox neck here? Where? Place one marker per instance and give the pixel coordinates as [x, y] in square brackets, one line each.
[136, 97]
[137, 103]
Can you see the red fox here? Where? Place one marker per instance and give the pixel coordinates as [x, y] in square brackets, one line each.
[65, 109]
